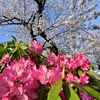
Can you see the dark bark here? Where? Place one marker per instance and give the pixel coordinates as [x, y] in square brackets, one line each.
[41, 4]
[99, 67]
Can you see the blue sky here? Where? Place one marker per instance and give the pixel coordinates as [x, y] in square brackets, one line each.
[5, 38]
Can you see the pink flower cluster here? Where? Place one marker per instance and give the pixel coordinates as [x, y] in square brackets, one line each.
[78, 62]
[84, 79]
[36, 47]
[20, 79]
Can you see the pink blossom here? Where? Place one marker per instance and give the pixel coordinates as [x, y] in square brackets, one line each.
[8, 73]
[52, 76]
[26, 76]
[5, 85]
[30, 89]
[19, 69]
[84, 79]
[71, 78]
[55, 75]
[30, 64]
[82, 61]
[43, 74]
[36, 47]
[52, 59]
[23, 75]
[15, 70]
[62, 60]
[29, 81]
[16, 93]
[5, 59]
[71, 65]
[29, 76]
[85, 66]
[27, 63]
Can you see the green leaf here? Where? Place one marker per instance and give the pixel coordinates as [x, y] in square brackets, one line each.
[14, 38]
[14, 50]
[89, 90]
[92, 66]
[94, 83]
[58, 98]
[69, 93]
[42, 59]
[2, 66]
[1, 47]
[54, 91]
[80, 72]
[93, 74]
[2, 50]
[23, 47]
[41, 94]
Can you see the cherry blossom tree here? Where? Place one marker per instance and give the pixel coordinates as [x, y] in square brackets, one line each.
[62, 26]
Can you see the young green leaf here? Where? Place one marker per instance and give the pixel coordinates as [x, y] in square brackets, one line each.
[80, 72]
[23, 47]
[69, 93]
[14, 50]
[93, 74]
[54, 91]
